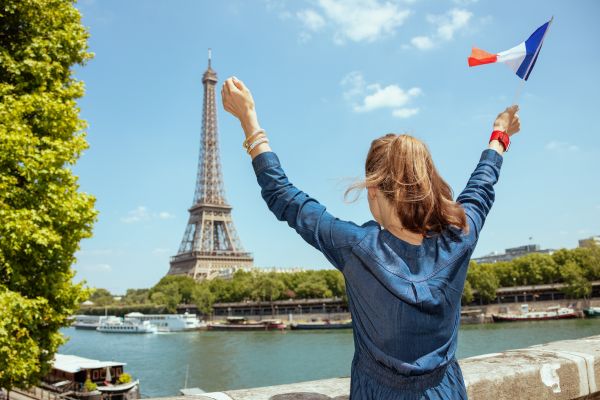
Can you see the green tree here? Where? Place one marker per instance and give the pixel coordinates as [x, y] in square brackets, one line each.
[136, 296]
[506, 273]
[268, 287]
[335, 282]
[173, 290]
[43, 215]
[101, 297]
[168, 295]
[313, 287]
[203, 298]
[535, 269]
[467, 295]
[482, 278]
[242, 285]
[577, 285]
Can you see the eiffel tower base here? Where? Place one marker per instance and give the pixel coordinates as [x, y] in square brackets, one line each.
[208, 265]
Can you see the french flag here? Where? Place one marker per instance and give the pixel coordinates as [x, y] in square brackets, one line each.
[520, 58]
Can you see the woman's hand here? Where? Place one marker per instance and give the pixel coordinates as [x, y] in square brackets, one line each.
[238, 101]
[508, 121]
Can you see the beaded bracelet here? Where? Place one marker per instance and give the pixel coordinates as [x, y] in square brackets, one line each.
[256, 143]
[252, 137]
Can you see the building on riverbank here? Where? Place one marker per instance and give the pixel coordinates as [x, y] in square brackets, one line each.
[590, 242]
[512, 253]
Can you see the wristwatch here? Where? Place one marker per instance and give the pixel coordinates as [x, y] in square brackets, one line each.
[502, 137]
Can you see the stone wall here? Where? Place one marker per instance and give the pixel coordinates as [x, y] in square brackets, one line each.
[568, 369]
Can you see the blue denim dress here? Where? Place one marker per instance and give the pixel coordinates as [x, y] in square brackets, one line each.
[404, 298]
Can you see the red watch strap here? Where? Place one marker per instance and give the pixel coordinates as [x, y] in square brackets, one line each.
[502, 137]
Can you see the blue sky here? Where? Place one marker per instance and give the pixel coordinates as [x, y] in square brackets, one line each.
[329, 76]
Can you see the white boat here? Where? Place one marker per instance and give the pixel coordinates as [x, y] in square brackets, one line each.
[113, 324]
[90, 322]
[170, 322]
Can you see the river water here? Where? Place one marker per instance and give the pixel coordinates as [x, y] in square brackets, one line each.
[219, 361]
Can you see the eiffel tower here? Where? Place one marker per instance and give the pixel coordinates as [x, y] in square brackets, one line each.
[210, 246]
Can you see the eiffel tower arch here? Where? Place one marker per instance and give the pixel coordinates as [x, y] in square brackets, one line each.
[210, 244]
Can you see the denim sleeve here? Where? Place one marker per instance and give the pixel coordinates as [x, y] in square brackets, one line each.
[478, 196]
[305, 214]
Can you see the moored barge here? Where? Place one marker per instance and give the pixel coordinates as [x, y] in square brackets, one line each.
[551, 313]
[242, 324]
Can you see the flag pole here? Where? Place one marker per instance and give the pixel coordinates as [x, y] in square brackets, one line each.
[518, 92]
[520, 88]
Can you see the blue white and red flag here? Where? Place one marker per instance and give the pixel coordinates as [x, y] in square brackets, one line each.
[520, 58]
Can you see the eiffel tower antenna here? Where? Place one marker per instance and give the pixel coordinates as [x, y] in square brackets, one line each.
[210, 246]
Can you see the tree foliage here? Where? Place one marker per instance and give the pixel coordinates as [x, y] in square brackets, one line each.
[484, 280]
[43, 215]
[575, 268]
[101, 297]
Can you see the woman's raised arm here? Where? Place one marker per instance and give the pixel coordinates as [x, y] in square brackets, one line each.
[302, 212]
[478, 196]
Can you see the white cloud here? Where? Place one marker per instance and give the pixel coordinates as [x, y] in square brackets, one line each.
[141, 213]
[355, 20]
[561, 147]
[311, 19]
[422, 42]
[405, 112]
[366, 98]
[446, 25]
[354, 83]
[278, 7]
[165, 215]
[391, 96]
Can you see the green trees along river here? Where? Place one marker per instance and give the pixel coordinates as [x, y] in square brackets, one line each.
[577, 268]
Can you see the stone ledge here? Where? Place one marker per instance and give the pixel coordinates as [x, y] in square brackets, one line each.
[567, 369]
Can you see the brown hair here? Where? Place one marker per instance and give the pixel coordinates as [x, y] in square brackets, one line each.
[400, 166]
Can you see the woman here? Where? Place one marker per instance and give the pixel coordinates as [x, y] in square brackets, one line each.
[404, 271]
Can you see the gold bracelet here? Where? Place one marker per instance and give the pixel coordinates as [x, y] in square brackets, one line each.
[252, 137]
[256, 143]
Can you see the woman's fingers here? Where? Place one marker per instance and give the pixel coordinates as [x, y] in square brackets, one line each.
[515, 125]
[238, 84]
[231, 86]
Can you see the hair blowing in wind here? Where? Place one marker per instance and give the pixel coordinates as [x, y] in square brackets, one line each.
[400, 166]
